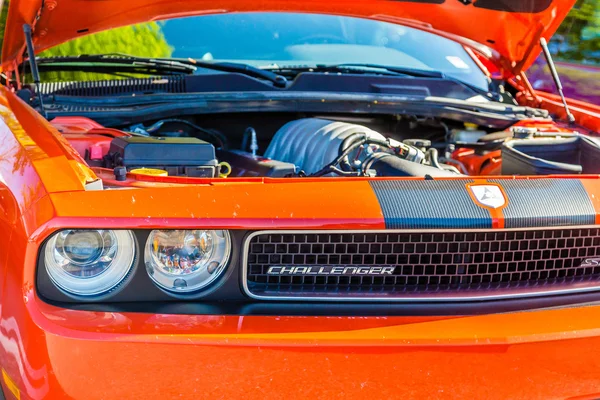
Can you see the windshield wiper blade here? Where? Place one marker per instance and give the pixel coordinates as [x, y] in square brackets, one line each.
[294, 70]
[361, 68]
[418, 73]
[240, 68]
[117, 62]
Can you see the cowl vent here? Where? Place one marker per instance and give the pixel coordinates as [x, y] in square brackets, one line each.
[117, 87]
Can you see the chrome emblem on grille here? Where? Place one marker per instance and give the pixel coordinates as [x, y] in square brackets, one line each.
[488, 195]
[590, 262]
[329, 270]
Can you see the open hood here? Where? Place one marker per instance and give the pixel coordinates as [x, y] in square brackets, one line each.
[511, 27]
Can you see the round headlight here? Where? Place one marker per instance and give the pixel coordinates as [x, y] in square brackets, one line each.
[89, 262]
[183, 261]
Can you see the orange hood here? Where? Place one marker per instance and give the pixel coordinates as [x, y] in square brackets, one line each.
[511, 27]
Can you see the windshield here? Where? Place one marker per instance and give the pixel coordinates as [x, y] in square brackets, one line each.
[283, 40]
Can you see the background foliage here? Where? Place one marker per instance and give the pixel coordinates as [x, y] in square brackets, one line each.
[143, 40]
[578, 38]
[3, 14]
[576, 48]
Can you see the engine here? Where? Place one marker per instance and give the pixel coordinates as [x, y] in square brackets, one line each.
[311, 147]
[321, 147]
[324, 147]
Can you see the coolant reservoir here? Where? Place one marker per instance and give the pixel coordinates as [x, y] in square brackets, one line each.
[470, 134]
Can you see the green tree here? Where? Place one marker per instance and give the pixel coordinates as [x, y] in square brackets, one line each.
[143, 40]
[578, 37]
[3, 15]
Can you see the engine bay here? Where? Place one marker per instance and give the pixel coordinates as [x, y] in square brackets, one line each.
[281, 146]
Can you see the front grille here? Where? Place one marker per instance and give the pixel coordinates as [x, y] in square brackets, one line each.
[426, 265]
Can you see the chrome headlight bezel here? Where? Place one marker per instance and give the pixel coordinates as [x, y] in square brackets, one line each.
[193, 284]
[118, 271]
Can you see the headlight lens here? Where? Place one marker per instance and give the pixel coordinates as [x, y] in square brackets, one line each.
[89, 262]
[183, 261]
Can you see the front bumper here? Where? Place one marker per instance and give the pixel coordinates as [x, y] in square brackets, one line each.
[543, 354]
[52, 352]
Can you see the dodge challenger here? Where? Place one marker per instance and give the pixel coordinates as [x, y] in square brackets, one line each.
[294, 199]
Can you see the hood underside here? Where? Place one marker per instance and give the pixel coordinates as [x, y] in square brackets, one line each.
[511, 27]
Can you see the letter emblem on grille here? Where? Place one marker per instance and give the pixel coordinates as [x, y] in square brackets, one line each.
[590, 262]
[339, 270]
[488, 195]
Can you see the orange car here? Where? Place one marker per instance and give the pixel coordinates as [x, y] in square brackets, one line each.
[294, 199]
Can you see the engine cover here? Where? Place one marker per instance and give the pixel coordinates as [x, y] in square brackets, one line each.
[178, 156]
[312, 143]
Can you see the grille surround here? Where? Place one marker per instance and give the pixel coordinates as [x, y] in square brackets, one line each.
[507, 290]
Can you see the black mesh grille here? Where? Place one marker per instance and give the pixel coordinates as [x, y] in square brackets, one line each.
[426, 263]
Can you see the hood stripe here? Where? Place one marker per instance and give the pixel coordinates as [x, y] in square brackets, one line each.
[428, 204]
[546, 202]
[543, 202]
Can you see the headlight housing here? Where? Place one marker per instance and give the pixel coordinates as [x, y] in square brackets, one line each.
[88, 263]
[185, 261]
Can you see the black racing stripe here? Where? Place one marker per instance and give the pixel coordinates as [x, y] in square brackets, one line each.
[429, 204]
[546, 202]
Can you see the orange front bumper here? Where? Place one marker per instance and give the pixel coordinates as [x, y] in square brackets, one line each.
[106, 355]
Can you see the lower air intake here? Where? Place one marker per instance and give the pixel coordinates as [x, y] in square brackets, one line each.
[442, 266]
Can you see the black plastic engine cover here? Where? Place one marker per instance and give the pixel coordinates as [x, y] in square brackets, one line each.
[178, 156]
[245, 164]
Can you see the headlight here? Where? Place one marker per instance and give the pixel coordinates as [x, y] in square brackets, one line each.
[183, 261]
[89, 262]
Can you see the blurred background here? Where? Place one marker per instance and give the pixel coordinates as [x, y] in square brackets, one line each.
[576, 50]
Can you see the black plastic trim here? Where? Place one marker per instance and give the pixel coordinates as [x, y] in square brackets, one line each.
[515, 6]
[341, 309]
